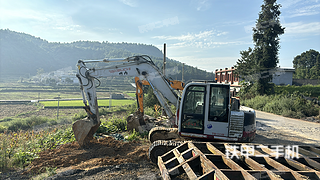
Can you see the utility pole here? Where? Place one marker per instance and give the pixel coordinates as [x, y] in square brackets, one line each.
[182, 72]
[58, 107]
[110, 100]
[164, 58]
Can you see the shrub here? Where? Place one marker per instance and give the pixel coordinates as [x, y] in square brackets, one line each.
[78, 116]
[113, 125]
[287, 105]
[27, 123]
[133, 136]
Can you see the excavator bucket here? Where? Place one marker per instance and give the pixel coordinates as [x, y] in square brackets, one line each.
[85, 128]
[83, 131]
[137, 122]
[134, 121]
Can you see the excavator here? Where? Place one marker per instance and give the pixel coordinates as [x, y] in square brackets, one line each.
[209, 136]
[204, 111]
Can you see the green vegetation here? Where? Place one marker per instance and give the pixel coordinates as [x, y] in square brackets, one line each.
[75, 103]
[19, 144]
[307, 90]
[16, 124]
[19, 148]
[286, 105]
[307, 65]
[114, 124]
[131, 94]
[255, 64]
[286, 101]
[26, 56]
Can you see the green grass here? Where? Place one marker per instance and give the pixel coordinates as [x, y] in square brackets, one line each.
[104, 102]
[132, 94]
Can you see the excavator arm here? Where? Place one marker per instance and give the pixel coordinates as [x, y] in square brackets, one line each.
[175, 84]
[136, 66]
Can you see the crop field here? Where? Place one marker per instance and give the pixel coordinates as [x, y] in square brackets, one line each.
[79, 103]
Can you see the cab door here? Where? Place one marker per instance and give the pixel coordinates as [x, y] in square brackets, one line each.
[193, 109]
[217, 123]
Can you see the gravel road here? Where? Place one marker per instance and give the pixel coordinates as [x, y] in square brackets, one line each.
[275, 129]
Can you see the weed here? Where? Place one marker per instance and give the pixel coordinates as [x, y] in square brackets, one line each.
[51, 171]
[157, 110]
[133, 136]
[113, 125]
[21, 147]
[287, 105]
[16, 124]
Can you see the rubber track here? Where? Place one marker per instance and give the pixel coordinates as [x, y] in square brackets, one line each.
[154, 130]
[169, 144]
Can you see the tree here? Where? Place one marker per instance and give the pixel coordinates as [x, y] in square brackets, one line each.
[307, 65]
[261, 60]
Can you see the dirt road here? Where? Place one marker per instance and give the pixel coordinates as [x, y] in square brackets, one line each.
[279, 130]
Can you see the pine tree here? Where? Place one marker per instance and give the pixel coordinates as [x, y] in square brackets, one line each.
[264, 57]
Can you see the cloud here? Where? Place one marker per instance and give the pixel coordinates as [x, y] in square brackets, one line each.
[306, 11]
[312, 28]
[297, 8]
[187, 37]
[201, 5]
[38, 19]
[289, 3]
[208, 64]
[203, 39]
[131, 3]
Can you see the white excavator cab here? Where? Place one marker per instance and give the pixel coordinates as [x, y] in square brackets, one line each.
[205, 112]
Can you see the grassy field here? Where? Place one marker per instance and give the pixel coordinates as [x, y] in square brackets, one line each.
[131, 94]
[103, 102]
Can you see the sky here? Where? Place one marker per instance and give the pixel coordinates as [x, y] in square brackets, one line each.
[208, 34]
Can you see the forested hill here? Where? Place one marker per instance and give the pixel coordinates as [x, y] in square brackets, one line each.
[23, 54]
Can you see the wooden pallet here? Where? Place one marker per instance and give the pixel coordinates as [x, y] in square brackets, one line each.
[222, 161]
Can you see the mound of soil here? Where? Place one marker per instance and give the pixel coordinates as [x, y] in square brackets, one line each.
[101, 152]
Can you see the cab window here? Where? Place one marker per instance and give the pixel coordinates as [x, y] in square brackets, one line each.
[193, 108]
[218, 103]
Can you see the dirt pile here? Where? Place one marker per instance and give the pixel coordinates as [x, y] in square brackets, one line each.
[101, 152]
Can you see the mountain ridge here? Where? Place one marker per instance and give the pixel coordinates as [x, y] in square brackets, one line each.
[22, 54]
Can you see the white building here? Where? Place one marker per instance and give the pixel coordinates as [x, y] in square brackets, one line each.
[283, 76]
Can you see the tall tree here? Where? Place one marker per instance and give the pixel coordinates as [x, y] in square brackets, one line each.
[307, 65]
[264, 57]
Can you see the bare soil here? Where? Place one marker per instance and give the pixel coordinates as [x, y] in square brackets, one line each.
[107, 158]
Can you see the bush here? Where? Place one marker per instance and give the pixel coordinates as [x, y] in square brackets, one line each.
[307, 90]
[113, 125]
[21, 147]
[286, 105]
[16, 124]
